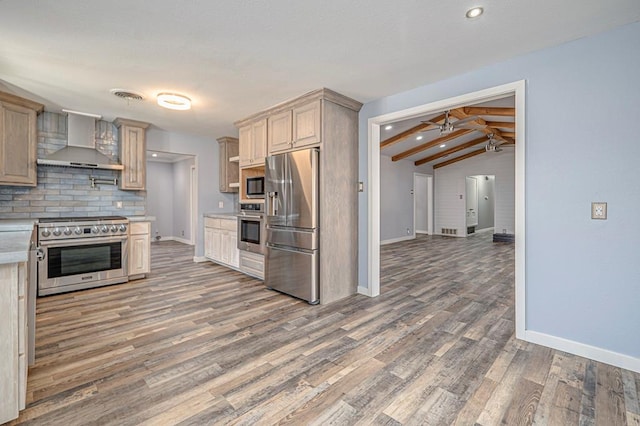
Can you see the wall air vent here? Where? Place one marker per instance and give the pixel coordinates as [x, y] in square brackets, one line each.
[129, 95]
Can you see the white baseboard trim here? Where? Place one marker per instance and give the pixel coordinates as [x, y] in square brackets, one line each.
[177, 239]
[364, 291]
[483, 230]
[397, 240]
[198, 259]
[422, 232]
[598, 354]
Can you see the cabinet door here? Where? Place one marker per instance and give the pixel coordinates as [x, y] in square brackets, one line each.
[18, 143]
[259, 146]
[245, 140]
[139, 254]
[306, 124]
[133, 149]
[208, 242]
[279, 132]
[216, 244]
[234, 253]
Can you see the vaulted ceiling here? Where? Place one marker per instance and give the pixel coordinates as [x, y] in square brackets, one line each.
[450, 136]
[234, 58]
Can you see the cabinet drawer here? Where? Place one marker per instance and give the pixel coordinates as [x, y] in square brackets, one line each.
[229, 224]
[139, 228]
[211, 222]
[252, 264]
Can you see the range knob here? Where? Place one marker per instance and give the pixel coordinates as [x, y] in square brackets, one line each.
[45, 232]
[67, 231]
[77, 231]
[95, 230]
[56, 232]
[123, 227]
[113, 228]
[104, 228]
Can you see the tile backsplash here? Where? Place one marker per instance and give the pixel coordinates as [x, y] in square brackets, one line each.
[66, 191]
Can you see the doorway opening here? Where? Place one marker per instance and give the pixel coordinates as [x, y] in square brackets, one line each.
[172, 196]
[517, 90]
[422, 204]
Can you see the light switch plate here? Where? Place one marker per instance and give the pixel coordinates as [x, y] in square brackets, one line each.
[598, 210]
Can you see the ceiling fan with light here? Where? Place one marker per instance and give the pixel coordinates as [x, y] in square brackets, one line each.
[492, 145]
[448, 126]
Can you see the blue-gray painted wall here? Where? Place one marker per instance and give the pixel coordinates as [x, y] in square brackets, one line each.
[582, 118]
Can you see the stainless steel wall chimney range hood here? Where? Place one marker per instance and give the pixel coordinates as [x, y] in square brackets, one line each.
[81, 149]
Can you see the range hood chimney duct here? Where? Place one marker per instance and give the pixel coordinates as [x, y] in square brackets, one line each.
[81, 149]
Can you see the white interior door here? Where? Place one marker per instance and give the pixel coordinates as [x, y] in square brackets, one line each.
[471, 201]
[421, 203]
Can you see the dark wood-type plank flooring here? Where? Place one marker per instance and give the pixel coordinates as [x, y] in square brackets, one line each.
[197, 344]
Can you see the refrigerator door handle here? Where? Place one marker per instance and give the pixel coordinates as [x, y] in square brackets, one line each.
[272, 209]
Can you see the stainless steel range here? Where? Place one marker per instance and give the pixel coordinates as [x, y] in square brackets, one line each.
[81, 252]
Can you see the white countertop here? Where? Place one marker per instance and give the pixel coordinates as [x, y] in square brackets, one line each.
[17, 224]
[141, 218]
[14, 246]
[215, 215]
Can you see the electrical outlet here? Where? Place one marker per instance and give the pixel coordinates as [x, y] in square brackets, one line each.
[408, 232]
[221, 204]
[598, 210]
[118, 204]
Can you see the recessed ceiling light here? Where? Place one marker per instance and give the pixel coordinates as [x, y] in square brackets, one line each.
[419, 138]
[443, 145]
[174, 101]
[154, 155]
[388, 127]
[474, 12]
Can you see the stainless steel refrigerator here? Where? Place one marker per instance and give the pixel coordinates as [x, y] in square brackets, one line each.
[291, 198]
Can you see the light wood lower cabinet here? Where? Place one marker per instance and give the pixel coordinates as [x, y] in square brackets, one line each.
[139, 249]
[252, 264]
[221, 240]
[13, 340]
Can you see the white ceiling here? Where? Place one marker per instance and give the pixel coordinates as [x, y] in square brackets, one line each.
[234, 58]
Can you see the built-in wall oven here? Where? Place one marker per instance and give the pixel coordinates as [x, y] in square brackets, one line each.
[251, 228]
[80, 253]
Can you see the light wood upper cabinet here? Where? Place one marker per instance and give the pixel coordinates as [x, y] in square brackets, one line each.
[139, 249]
[253, 143]
[307, 124]
[228, 169]
[279, 132]
[133, 149]
[18, 140]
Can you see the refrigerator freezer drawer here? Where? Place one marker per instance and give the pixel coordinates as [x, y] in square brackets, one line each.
[298, 238]
[293, 272]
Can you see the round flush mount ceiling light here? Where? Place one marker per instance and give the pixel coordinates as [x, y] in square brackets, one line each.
[474, 12]
[443, 145]
[174, 101]
[388, 127]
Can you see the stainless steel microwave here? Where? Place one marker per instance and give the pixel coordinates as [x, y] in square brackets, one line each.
[254, 187]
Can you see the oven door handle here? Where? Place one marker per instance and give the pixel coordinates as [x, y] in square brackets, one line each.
[82, 241]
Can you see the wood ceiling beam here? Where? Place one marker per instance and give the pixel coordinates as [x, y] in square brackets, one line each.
[510, 135]
[462, 157]
[431, 144]
[501, 112]
[410, 132]
[501, 124]
[460, 114]
[449, 151]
